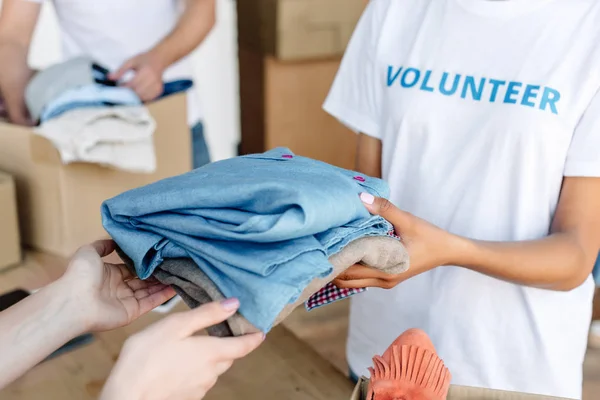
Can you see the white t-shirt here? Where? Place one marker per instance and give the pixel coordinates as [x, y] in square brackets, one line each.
[112, 31]
[482, 108]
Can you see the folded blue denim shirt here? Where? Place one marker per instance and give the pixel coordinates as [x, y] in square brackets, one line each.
[261, 226]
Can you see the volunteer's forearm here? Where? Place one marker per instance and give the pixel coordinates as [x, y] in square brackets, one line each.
[193, 27]
[557, 262]
[34, 328]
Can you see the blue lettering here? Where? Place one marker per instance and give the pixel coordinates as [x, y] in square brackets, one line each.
[475, 92]
[495, 86]
[443, 89]
[512, 90]
[390, 79]
[550, 98]
[531, 92]
[426, 81]
[417, 75]
[521, 93]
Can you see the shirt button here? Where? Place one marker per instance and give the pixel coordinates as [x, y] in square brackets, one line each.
[359, 178]
[287, 156]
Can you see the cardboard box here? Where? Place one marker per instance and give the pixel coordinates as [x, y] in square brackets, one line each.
[298, 29]
[59, 205]
[462, 393]
[10, 242]
[281, 105]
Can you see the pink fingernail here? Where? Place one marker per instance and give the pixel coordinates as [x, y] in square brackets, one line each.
[230, 304]
[367, 198]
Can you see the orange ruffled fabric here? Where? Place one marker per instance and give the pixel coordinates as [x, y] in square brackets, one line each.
[410, 369]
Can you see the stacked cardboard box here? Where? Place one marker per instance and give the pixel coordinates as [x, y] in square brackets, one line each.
[290, 51]
[298, 29]
[59, 205]
[10, 242]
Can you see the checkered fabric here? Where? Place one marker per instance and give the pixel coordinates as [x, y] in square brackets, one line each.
[330, 294]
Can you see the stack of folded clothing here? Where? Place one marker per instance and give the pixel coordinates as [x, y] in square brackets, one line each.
[91, 118]
[271, 229]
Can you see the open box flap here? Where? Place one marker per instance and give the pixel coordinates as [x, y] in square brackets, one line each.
[464, 393]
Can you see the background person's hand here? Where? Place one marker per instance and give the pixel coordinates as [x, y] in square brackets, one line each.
[428, 247]
[148, 79]
[108, 294]
[166, 361]
[13, 108]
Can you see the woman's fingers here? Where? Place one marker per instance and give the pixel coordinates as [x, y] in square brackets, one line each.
[233, 348]
[138, 284]
[104, 247]
[363, 283]
[153, 300]
[388, 211]
[358, 271]
[187, 323]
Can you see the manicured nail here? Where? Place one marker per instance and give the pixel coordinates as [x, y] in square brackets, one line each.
[230, 304]
[367, 198]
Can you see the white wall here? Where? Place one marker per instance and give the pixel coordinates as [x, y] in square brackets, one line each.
[215, 69]
[217, 79]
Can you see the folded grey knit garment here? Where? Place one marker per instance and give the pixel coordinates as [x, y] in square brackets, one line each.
[195, 288]
[48, 84]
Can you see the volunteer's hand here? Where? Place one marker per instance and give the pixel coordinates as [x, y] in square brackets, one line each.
[166, 361]
[428, 247]
[13, 105]
[147, 82]
[107, 295]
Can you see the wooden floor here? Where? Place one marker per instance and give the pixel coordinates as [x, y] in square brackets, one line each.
[324, 329]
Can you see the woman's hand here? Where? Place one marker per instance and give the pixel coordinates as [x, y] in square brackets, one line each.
[428, 247]
[166, 361]
[108, 295]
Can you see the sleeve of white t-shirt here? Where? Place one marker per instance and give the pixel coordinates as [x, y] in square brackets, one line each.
[355, 97]
[583, 158]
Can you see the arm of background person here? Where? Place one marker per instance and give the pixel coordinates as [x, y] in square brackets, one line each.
[561, 261]
[17, 24]
[194, 25]
[196, 22]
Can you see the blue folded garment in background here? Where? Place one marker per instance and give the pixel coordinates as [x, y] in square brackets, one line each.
[261, 226]
[100, 95]
[93, 95]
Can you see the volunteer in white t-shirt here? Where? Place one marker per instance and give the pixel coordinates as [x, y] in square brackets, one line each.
[151, 38]
[484, 117]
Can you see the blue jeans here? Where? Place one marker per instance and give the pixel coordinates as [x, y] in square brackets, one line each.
[596, 272]
[261, 227]
[353, 377]
[200, 153]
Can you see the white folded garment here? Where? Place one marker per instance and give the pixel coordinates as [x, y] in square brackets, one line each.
[120, 137]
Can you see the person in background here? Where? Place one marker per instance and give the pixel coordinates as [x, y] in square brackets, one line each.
[94, 296]
[152, 39]
[484, 117]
